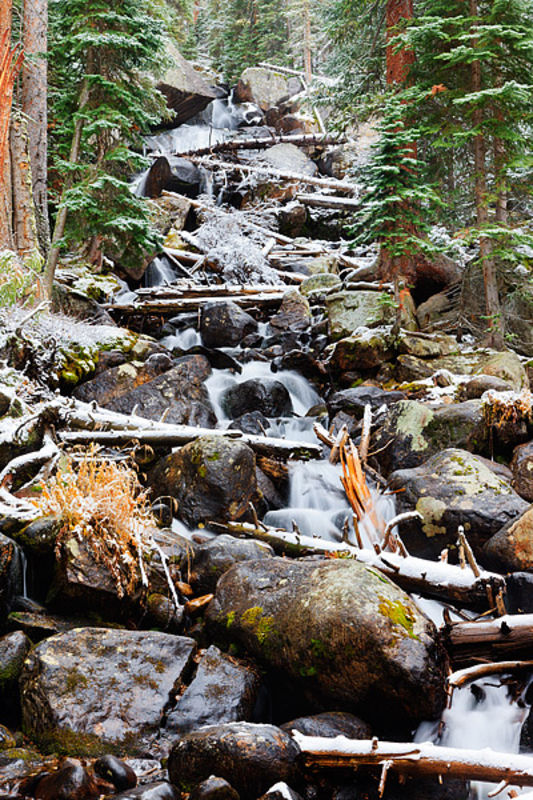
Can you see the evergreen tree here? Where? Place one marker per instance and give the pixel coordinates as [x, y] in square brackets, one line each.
[101, 103]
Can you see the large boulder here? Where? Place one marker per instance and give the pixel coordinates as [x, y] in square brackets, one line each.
[225, 324]
[109, 384]
[212, 479]
[13, 650]
[179, 393]
[90, 690]
[353, 401]
[522, 468]
[453, 488]
[223, 690]
[265, 87]
[266, 395]
[212, 559]
[172, 174]
[290, 158]
[250, 757]
[366, 348]
[185, 90]
[511, 549]
[413, 432]
[349, 310]
[330, 724]
[294, 313]
[342, 635]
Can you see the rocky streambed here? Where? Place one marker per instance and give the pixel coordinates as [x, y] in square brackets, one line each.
[174, 651]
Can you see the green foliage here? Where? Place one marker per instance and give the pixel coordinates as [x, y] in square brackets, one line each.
[19, 280]
[100, 56]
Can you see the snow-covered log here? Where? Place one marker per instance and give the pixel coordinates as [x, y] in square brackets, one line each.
[463, 676]
[508, 637]
[417, 759]
[300, 140]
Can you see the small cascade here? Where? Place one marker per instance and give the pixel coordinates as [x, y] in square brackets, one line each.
[160, 272]
[488, 713]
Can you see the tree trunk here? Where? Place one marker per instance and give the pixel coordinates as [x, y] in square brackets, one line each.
[492, 300]
[308, 68]
[24, 222]
[34, 106]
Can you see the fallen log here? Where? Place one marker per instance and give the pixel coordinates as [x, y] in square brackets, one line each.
[416, 759]
[300, 140]
[463, 676]
[281, 174]
[177, 435]
[329, 201]
[490, 640]
[185, 289]
[435, 579]
[175, 306]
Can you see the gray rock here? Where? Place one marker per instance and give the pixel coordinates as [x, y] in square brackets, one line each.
[10, 575]
[479, 384]
[212, 479]
[266, 395]
[213, 559]
[522, 468]
[349, 310]
[91, 690]
[185, 90]
[294, 314]
[353, 401]
[223, 690]
[339, 632]
[288, 157]
[363, 350]
[453, 488]
[330, 724]
[160, 790]
[225, 324]
[265, 87]
[250, 757]
[13, 650]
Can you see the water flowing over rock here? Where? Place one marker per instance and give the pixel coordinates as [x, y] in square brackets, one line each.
[91, 690]
[250, 757]
[212, 479]
[343, 634]
[266, 395]
[225, 324]
[450, 489]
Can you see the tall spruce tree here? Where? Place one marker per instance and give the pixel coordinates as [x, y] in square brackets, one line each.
[100, 53]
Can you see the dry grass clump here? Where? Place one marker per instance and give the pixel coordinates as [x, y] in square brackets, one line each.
[503, 408]
[101, 503]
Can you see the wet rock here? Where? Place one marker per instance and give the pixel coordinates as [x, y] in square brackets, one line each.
[212, 478]
[519, 593]
[13, 650]
[185, 90]
[453, 488]
[10, 576]
[294, 314]
[365, 349]
[112, 383]
[225, 324]
[266, 395]
[223, 690]
[17, 766]
[338, 632]
[214, 789]
[280, 791]
[430, 788]
[353, 401]
[163, 614]
[479, 384]
[160, 790]
[414, 431]
[511, 548]
[180, 391]
[38, 538]
[39, 625]
[265, 87]
[250, 757]
[213, 559]
[71, 782]
[91, 690]
[115, 771]
[253, 422]
[330, 724]
[522, 468]
[348, 311]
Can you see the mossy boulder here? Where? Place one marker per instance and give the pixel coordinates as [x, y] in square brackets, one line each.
[452, 488]
[112, 383]
[349, 310]
[365, 349]
[212, 479]
[428, 345]
[511, 549]
[321, 283]
[91, 691]
[413, 432]
[507, 366]
[342, 634]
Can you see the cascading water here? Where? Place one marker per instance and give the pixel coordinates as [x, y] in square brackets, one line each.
[488, 713]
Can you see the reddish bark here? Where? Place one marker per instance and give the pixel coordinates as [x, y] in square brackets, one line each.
[10, 65]
[399, 60]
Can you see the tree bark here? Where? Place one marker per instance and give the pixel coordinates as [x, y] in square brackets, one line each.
[34, 105]
[308, 67]
[508, 637]
[24, 221]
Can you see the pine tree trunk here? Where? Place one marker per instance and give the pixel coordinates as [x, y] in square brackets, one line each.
[24, 223]
[34, 106]
[308, 68]
[492, 300]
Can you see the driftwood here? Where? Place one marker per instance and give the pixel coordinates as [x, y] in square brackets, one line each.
[507, 637]
[281, 174]
[416, 759]
[431, 578]
[463, 676]
[329, 201]
[301, 140]
[176, 435]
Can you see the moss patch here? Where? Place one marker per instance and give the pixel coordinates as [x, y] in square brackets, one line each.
[399, 614]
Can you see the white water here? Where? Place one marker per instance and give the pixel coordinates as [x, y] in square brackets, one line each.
[159, 272]
[483, 714]
[182, 340]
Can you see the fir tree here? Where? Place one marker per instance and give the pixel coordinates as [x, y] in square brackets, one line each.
[101, 103]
